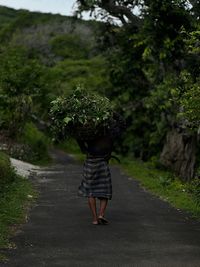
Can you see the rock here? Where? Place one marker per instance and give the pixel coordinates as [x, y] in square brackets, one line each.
[179, 154]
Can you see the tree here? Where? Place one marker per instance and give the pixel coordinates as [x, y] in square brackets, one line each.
[195, 8]
[190, 99]
[20, 84]
[122, 10]
[147, 63]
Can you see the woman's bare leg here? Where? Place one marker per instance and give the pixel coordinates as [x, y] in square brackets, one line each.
[103, 205]
[92, 205]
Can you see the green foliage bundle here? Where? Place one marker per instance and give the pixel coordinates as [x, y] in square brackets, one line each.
[82, 114]
[7, 174]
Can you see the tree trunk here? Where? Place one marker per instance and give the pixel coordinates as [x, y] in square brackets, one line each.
[179, 154]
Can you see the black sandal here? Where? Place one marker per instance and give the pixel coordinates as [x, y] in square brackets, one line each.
[103, 220]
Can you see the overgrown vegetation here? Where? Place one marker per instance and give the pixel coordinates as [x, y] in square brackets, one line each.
[7, 174]
[184, 196]
[42, 57]
[16, 193]
[38, 144]
[153, 64]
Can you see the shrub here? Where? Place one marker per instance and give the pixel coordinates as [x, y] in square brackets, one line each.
[37, 142]
[194, 189]
[21, 85]
[7, 173]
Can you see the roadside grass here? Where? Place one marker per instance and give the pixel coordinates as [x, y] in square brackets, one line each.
[164, 185]
[14, 205]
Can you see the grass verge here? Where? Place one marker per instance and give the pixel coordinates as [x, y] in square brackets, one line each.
[14, 205]
[164, 185]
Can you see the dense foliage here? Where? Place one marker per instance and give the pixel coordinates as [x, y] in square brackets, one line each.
[82, 114]
[7, 174]
[21, 83]
[153, 61]
[42, 57]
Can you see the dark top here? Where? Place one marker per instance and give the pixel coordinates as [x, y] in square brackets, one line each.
[99, 147]
[102, 146]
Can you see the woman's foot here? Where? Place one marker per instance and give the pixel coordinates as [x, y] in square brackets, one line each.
[95, 222]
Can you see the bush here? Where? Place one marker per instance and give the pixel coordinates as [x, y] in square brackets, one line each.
[37, 142]
[7, 173]
[194, 189]
[21, 87]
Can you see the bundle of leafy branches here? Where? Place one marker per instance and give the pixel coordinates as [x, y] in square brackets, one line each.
[83, 115]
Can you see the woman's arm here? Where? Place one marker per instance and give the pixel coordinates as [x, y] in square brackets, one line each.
[83, 146]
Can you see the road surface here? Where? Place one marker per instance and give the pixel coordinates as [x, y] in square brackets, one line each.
[144, 231]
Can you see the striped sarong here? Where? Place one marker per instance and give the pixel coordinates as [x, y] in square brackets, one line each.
[96, 180]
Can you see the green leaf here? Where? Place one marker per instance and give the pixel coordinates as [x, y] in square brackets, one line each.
[67, 120]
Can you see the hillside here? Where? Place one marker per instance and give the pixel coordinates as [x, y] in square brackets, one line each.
[7, 15]
[66, 45]
[52, 37]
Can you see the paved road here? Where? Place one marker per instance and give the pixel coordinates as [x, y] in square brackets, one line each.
[144, 231]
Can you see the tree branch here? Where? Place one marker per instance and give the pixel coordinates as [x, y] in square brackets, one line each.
[119, 11]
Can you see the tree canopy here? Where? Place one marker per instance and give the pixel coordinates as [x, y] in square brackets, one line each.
[154, 64]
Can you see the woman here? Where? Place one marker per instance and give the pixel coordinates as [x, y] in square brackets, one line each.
[96, 182]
